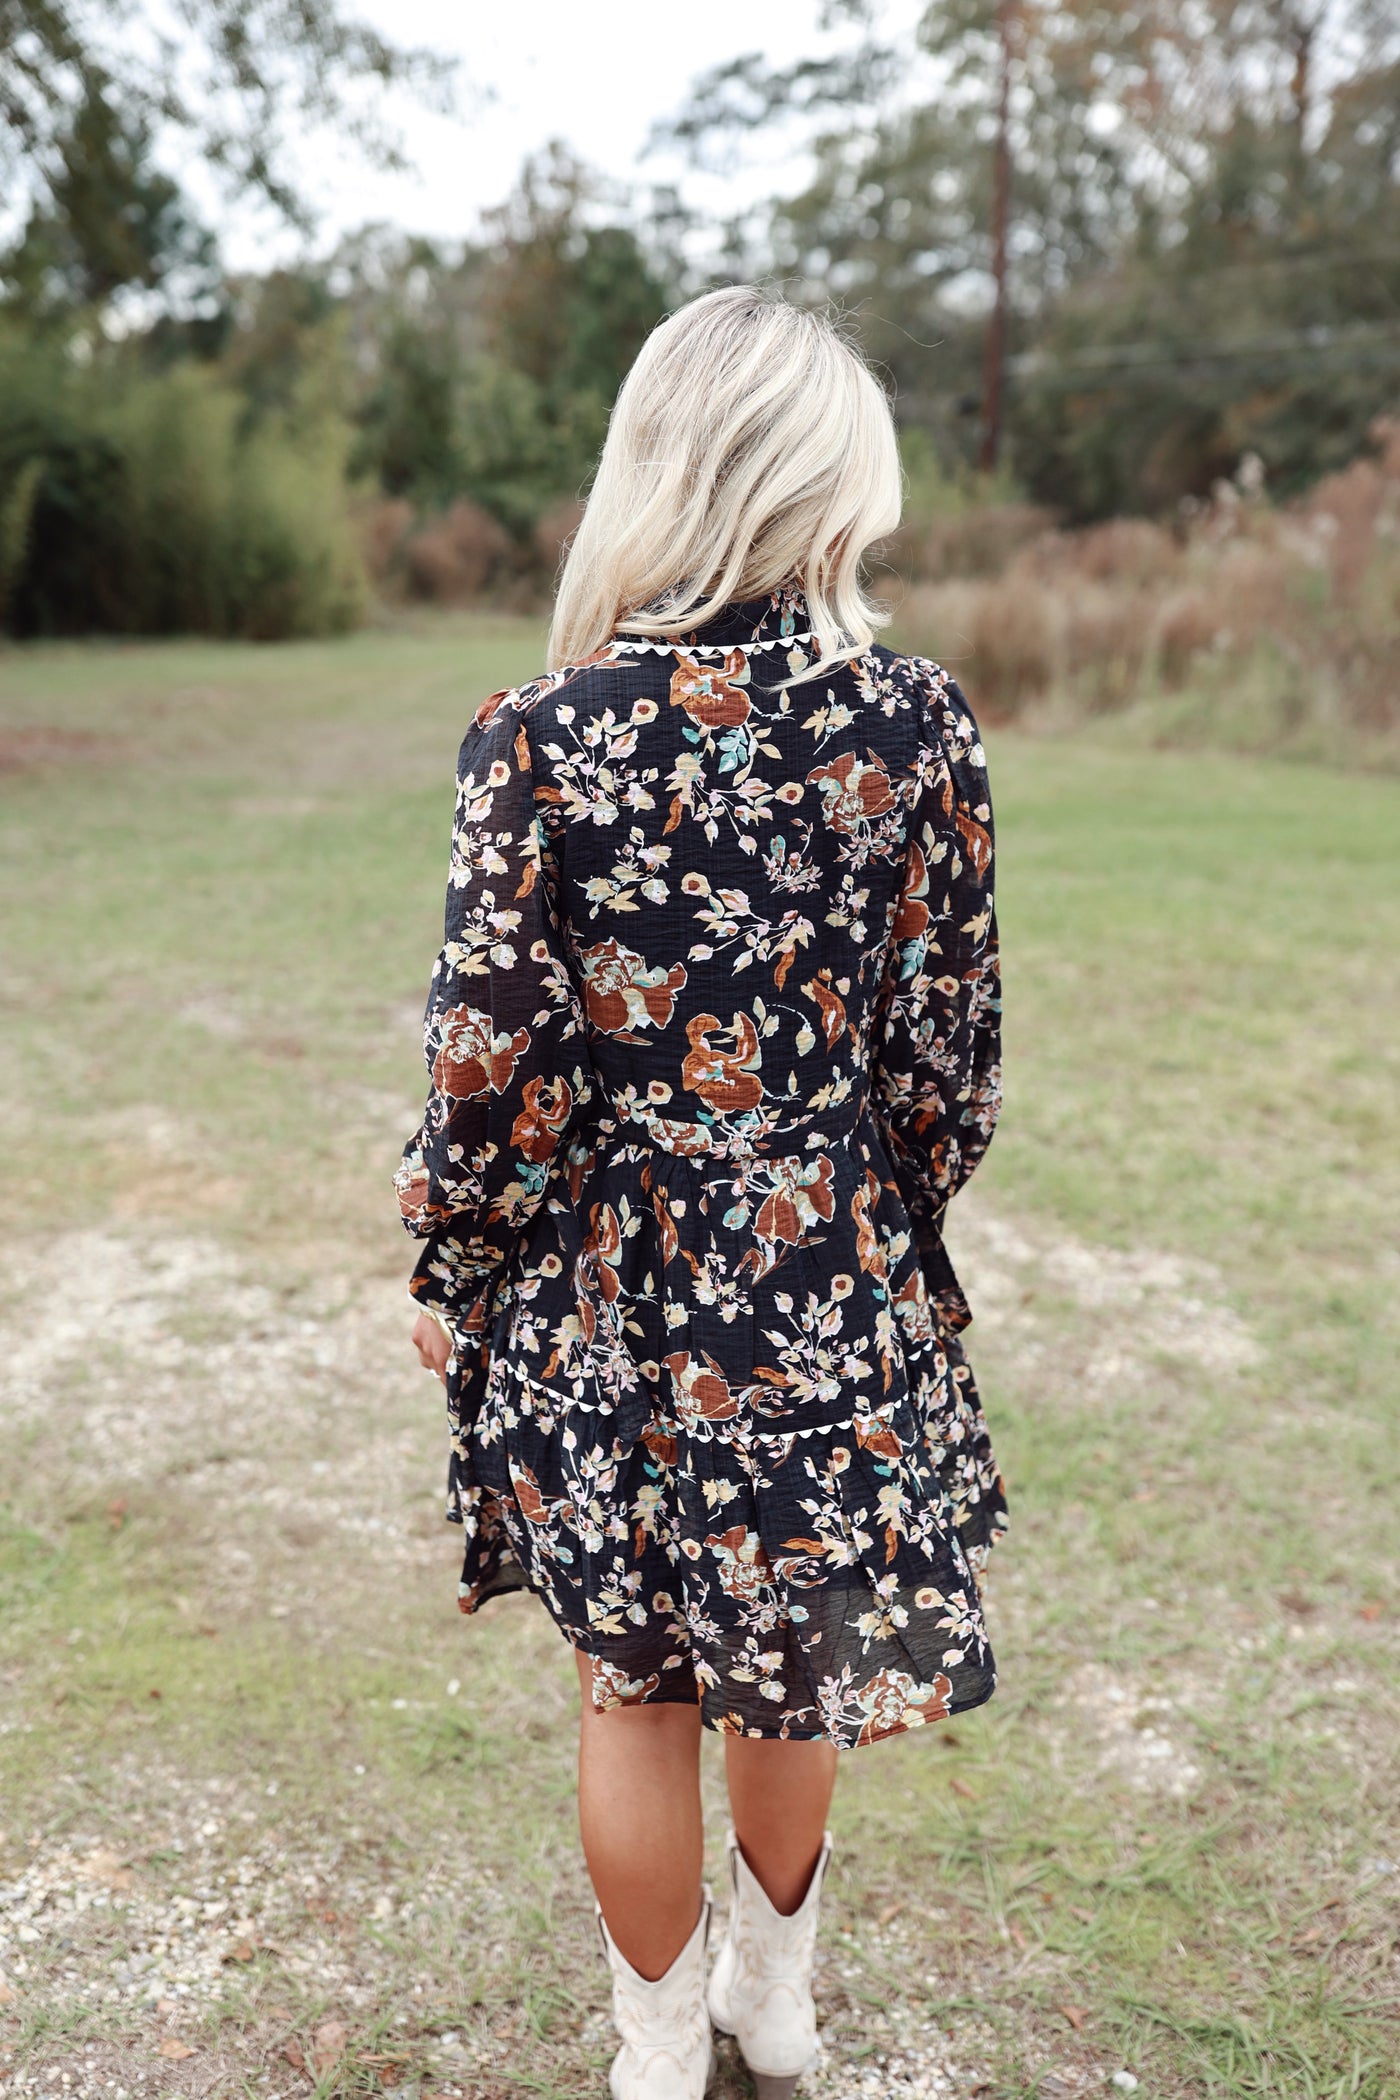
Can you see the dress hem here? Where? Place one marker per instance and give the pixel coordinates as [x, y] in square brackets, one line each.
[662, 1697]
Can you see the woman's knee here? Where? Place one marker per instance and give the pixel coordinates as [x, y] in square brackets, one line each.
[778, 1758]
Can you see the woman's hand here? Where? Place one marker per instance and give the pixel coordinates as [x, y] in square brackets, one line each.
[432, 1345]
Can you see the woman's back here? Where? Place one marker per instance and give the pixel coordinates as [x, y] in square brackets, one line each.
[730, 854]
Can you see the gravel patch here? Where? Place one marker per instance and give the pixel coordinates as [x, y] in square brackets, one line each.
[294, 1407]
[206, 1935]
[1142, 1306]
[1138, 1734]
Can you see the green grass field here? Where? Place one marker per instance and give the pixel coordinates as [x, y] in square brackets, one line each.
[275, 1820]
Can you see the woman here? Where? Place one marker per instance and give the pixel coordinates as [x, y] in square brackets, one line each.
[713, 1038]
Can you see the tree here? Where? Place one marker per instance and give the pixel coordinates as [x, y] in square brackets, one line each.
[1259, 315]
[230, 85]
[1074, 183]
[489, 371]
[566, 300]
[960, 181]
[109, 221]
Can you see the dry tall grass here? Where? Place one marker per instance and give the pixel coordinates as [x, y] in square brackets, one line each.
[1275, 627]
[458, 556]
[1271, 627]
[462, 556]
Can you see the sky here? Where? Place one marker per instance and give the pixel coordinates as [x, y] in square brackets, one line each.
[596, 73]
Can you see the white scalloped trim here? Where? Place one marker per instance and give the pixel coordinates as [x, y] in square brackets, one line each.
[676, 647]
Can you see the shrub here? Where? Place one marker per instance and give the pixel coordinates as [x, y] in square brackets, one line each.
[291, 562]
[996, 636]
[1277, 627]
[1185, 627]
[456, 557]
[553, 534]
[383, 524]
[151, 504]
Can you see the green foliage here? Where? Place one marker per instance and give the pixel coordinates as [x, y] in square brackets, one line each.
[16, 515]
[109, 221]
[408, 434]
[519, 452]
[494, 373]
[1265, 323]
[285, 348]
[1202, 238]
[566, 301]
[936, 492]
[149, 504]
[243, 68]
[143, 489]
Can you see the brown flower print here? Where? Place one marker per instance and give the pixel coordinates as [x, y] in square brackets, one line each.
[724, 1079]
[894, 1702]
[487, 710]
[471, 1060]
[702, 1391]
[743, 1565]
[915, 1312]
[612, 1687]
[868, 1250]
[872, 1434]
[527, 1494]
[670, 1232]
[663, 1447]
[975, 838]
[547, 1106]
[686, 1138]
[801, 1197]
[414, 1186]
[607, 1240]
[912, 917]
[621, 992]
[853, 790]
[712, 699]
[831, 1006]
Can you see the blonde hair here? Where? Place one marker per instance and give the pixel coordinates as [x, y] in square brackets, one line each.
[750, 446]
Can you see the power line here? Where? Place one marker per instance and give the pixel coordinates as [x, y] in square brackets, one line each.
[1335, 259]
[1365, 347]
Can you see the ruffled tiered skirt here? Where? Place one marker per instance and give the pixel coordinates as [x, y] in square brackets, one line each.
[718, 1417]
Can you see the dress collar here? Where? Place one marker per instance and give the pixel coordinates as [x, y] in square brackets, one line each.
[780, 620]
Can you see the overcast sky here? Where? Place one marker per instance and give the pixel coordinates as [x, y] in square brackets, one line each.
[596, 73]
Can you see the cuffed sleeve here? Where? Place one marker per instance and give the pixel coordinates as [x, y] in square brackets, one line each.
[936, 1080]
[503, 1036]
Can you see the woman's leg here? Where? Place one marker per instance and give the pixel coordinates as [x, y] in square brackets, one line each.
[779, 1794]
[639, 1815]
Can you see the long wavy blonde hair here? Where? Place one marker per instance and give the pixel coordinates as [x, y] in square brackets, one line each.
[750, 446]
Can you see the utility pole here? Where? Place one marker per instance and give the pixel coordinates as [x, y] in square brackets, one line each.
[994, 349]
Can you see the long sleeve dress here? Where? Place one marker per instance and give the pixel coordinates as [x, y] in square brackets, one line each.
[713, 1038]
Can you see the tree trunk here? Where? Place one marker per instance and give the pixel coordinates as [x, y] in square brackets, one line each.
[994, 351]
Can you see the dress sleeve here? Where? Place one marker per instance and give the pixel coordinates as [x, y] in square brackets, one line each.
[503, 1035]
[936, 1080]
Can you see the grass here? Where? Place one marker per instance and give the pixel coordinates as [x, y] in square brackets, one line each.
[267, 1801]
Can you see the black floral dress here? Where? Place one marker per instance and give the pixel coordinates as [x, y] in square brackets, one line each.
[713, 1038]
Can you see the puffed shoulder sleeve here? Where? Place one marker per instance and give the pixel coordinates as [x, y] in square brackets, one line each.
[937, 1068]
[503, 1033]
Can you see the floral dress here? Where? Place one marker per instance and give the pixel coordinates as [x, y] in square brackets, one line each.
[713, 1038]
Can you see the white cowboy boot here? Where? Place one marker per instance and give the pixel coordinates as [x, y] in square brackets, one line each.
[761, 1989]
[665, 2030]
